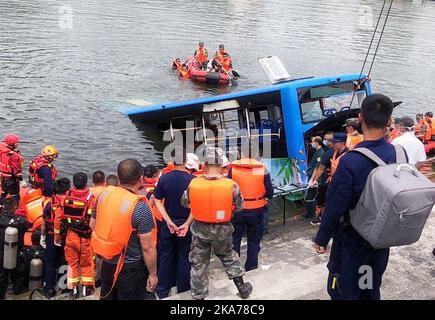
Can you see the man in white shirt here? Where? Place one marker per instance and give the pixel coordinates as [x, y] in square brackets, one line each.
[413, 146]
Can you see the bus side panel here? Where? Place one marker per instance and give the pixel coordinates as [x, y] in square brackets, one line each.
[294, 135]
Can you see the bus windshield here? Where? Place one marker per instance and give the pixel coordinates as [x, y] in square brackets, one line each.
[318, 103]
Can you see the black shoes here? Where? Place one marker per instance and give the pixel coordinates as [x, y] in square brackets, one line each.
[48, 292]
[245, 289]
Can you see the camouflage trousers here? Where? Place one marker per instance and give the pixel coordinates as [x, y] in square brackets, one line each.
[205, 237]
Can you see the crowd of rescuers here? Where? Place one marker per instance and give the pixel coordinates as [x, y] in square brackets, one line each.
[143, 231]
[139, 233]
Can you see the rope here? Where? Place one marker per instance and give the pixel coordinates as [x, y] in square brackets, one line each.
[380, 37]
[370, 46]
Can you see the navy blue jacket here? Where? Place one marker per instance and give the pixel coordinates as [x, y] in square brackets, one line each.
[45, 173]
[347, 185]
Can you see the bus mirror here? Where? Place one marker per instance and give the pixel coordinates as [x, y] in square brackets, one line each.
[274, 69]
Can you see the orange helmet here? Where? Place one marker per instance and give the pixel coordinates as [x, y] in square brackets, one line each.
[49, 151]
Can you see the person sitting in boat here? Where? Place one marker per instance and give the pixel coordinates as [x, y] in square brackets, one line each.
[222, 61]
[201, 55]
[422, 128]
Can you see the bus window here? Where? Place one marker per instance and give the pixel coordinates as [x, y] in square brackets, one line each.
[224, 125]
[265, 123]
[318, 103]
[184, 124]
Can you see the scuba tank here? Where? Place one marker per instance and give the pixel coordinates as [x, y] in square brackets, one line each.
[35, 272]
[10, 248]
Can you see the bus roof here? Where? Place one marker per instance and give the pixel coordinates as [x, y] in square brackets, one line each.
[298, 83]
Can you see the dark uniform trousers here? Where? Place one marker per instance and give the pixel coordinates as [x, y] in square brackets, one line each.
[130, 284]
[350, 252]
[249, 222]
[173, 265]
[54, 258]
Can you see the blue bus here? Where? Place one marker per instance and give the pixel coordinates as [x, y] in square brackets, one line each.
[285, 115]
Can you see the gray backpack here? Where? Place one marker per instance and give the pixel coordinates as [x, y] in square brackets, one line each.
[395, 204]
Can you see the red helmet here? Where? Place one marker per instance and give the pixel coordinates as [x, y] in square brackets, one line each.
[11, 139]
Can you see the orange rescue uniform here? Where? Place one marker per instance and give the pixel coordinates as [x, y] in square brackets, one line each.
[76, 214]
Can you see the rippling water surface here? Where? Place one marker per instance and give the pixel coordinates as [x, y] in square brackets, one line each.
[66, 67]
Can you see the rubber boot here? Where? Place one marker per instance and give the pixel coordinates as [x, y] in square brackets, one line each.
[74, 293]
[245, 289]
[87, 291]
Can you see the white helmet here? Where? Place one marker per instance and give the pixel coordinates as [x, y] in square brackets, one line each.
[192, 161]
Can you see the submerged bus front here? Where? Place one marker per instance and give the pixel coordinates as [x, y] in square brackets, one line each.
[277, 121]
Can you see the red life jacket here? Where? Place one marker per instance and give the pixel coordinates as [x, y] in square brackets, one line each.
[9, 159]
[36, 164]
[77, 209]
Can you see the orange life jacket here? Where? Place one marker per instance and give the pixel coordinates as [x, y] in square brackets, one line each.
[249, 175]
[420, 129]
[201, 55]
[113, 224]
[335, 160]
[184, 72]
[36, 164]
[56, 215]
[432, 128]
[211, 201]
[9, 159]
[149, 185]
[169, 167]
[393, 135]
[96, 190]
[35, 203]
[77, 210]
[353, 139]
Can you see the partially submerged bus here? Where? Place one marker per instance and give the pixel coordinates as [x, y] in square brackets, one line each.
[284, 115]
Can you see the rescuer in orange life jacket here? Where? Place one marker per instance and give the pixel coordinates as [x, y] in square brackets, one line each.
[212, 199]
[256, 187]
[222, 60]
[353, 136]
[53, 237]
[10, 167]
[431, 122]
[112, 180]
[422, 128]
[99, 183]
[340, 149]
[76, 214]
[201, 55]
[123, 236]
[42, 172]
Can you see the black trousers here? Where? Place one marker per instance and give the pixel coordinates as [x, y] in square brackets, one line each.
[10, 186]
[130, 285]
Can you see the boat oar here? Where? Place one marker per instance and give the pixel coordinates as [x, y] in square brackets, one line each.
[235, 73]
[233, 81]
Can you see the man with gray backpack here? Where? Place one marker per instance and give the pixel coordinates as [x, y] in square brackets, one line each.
[375, 201]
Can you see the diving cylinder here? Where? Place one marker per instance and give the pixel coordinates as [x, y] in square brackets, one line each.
[35, 272]
[10, 248]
